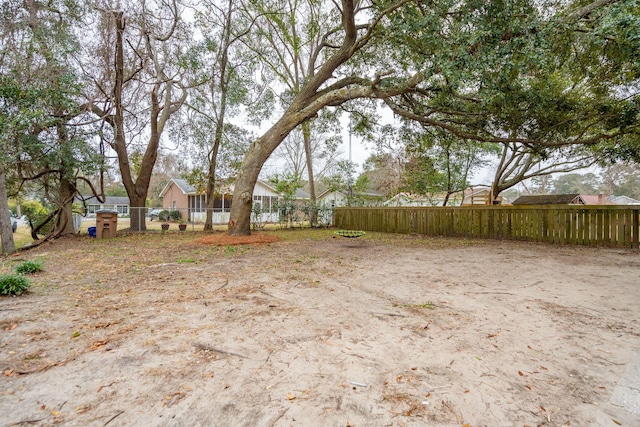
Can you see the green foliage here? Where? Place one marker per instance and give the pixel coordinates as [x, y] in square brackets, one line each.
[521, 70]
[438, 162]
[288, 212]
[324, 216]
[36, 214]
[13, 284]
[29, 267]
[576, 183]
[117, 190]
[257, 219]
[286, 184]
[163, 215]
[175, 215]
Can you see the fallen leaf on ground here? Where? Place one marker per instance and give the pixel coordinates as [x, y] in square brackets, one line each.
[96, 345]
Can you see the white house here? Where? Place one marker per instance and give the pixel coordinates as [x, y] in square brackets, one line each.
[339, 198]
[114, 203]
[437, 199]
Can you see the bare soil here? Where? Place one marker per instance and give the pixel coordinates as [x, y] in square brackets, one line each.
[318, 330]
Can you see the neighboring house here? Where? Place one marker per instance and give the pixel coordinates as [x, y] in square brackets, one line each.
[623, 200]
[596, 199]
[550, 199]
[406, 199]
[332, 198]
[339, 198]
[178, 194]
[480, 196]
[113, 203]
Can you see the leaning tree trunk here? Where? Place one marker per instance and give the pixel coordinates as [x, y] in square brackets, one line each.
[259, 152]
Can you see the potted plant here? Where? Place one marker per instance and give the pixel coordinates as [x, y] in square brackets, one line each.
[165, 226]
[182, 226]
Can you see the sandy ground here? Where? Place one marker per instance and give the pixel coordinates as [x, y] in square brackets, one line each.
[330, 332]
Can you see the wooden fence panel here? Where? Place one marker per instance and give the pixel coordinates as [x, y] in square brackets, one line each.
[612, 225]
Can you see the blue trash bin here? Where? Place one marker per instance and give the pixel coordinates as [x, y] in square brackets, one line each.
[92, 231]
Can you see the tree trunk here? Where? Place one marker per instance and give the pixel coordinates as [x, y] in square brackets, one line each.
[8, 245]
[223, 87]
[137, 212]
[446, 198]
[211, 187]
[259, 152]
[313, 212]
[64, 225]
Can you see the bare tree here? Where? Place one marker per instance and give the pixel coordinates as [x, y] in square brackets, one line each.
[519, 162]
[143, 82]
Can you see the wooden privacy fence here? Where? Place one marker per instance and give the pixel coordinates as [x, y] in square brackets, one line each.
[614, 226]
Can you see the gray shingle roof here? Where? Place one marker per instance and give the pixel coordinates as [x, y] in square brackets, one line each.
[550, 199]
[184, 185]
[109, 200]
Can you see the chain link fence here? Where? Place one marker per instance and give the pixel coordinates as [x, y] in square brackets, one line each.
[283, 214]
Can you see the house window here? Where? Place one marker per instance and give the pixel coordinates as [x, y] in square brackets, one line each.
[123, 210]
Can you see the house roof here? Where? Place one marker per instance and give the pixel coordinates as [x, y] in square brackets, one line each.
[182, 184]
[109, 200]
[550, 199]
[595, 199]
[623, 200]
[301, 194]
[368, 193]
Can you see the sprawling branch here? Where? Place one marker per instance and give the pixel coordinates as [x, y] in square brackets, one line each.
[580, 140]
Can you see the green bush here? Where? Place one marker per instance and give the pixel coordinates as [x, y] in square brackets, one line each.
[257, 222]
[36, 213]
[163, 215]
[29, 267]
[13, 284]
[175, 215]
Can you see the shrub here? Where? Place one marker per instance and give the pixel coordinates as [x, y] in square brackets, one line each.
[13, 284]
[175, 215]
[163, 215]
[257, 221]
[29, 267]
[36, 213]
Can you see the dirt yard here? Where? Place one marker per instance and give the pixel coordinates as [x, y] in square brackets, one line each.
[318, 330]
